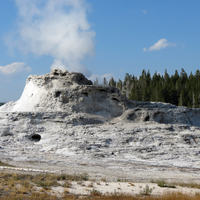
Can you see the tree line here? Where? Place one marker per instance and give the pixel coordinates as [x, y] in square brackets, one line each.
[178, 89]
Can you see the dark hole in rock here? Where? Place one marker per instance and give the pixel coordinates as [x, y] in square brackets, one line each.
[112, 91]
[146, 118]
[102, 90]
[85, 93]
[137, 109]
[114, 99]
[36, 137]
[55, 73]
[58, 94]
[64, 74]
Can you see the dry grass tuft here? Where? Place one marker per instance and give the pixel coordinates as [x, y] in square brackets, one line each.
[22, 187]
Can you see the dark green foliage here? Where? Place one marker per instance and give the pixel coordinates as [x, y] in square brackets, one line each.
[1, 104]
[162, 183]
[112, 82]
[178, 89]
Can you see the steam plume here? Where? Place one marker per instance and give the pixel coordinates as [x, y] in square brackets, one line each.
[57, 28]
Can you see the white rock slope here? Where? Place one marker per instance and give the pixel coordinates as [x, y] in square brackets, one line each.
[63, 120]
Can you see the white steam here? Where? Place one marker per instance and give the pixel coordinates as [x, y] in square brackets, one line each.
[55, 27]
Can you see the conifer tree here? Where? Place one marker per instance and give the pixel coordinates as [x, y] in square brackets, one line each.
[112, 82]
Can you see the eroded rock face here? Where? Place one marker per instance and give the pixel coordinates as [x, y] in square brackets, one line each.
[75, 95]
[69, 93]
[72, 93]
[64, 114]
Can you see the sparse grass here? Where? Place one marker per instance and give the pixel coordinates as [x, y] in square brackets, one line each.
[22, 184]
[95, 193]
[62, 177]
[21, 187]
[146, 191]
[74, 177]
[26, 184]
[162, 183]
[5, 164]
[103, 179]
[120, 196]
[189, 185]
[84, 176]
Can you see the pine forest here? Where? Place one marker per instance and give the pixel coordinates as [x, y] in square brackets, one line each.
[178, 89]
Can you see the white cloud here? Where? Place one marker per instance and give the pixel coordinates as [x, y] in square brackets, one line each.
[144, 11]
[56, 28]
[162, 43]
[14, 68]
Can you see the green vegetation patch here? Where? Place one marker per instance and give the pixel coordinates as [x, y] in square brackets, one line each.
[179, 89]
[162, 183]
[5, 164]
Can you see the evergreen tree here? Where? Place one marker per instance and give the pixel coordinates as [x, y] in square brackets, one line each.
[105, 82]
[96, 82]
[119, 85]
[182, 90]
[112, 82]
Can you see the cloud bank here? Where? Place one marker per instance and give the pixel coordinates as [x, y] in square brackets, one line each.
[161, 44]
[14, 68]
[56, 28]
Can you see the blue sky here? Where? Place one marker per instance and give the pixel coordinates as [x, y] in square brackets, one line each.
[100, 38]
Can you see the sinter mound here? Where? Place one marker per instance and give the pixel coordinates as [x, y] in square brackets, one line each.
[62, 119]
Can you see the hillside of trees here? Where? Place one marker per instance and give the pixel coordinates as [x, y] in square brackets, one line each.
[178, 89]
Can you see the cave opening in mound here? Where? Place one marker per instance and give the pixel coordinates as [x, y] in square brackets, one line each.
[146, 119]
[36, 137]
[58, 94]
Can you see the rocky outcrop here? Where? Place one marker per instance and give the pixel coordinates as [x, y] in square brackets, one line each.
[73, 94]
[61, 91]
[64, 115]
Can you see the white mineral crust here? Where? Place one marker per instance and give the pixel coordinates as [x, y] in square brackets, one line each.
[63, 122]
